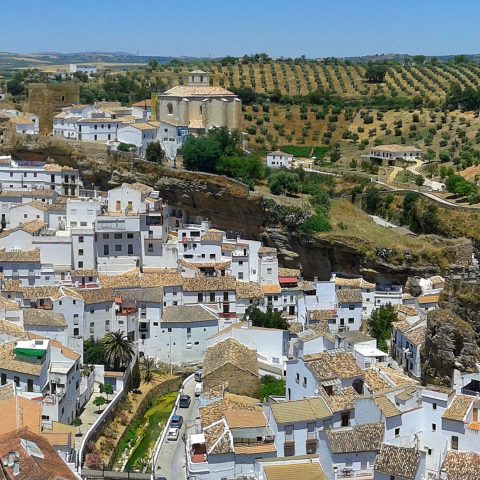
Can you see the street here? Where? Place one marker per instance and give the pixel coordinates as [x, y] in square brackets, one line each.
[171, 460]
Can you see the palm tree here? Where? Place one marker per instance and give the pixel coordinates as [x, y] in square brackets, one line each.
[118, 349]
[148, 367]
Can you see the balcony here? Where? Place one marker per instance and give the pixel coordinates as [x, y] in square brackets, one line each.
[348, 472]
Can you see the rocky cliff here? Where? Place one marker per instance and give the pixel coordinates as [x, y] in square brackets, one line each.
[453, 333]
[230, 206]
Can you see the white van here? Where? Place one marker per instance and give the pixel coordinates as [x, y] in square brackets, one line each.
[198, 389]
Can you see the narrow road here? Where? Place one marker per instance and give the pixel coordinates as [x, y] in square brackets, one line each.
[393, 174]
[435, 186]
[171, 460]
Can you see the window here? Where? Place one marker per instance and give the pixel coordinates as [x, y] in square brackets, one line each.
[80, 264]
[129, 235]
[80, 251]
[106, 250]
[454, 442]
[351, 320]
[397, 432]
[212, 296]
[434, 427]
[304, 382]
[297, 378]
[429, 451]
[200, 297]
[345, 419]
[3, 380]
[212, 256]
[80, 239]
[169, 330]
[118, 205]
[434, 405]
[240, 275]
[75, 332]
[130, 249]
[95, 137]
[29, 385]
[117, 236]
[16, 380]
[170, 109]
[269, 271]
[105, 236]
[118, 248]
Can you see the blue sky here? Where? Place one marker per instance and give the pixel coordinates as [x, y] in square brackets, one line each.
[234, 27]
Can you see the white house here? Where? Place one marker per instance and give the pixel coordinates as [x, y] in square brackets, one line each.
[279, 159]
[140, 134]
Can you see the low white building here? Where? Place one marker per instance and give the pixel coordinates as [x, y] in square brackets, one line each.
[140, 134]
[279, 159]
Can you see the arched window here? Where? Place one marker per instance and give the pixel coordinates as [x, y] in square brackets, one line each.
[170, 109]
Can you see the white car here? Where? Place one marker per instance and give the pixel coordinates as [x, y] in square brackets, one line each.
[198, 389]
[172, 434]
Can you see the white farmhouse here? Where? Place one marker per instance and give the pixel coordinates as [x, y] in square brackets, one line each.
[279, 159]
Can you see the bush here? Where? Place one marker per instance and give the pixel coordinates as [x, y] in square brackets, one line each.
[271, 386]
[284, 182]
[315, 224]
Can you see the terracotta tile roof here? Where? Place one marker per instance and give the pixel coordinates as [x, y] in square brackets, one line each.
[316, 315]
[21, 120]
[302, 471]
[264, 250]
[8, 305]
[331, 365]
[342, 400]
[187, 314]
[351, 295]
[245, 419]
[34, 467]
[143, 103]
[247, 290]
[217, 410]
[416, 335]
[195, 91]
[397, 377]
[374, 380]
[30, 417]
[288, 272]
[295, 327]
[271, 289]
[198, 265]
[212, 284]
[398, 461]
[39, 192]
[309, 409]
[406, 394]
[7, 391]
[141, 187]
[93, 272]
[461, 465]
[428, 299]
[218, 439]
[459, 408]
[160, 280]
[406, 311]
[255, 449]
[12, 330]
[40, 318]
[10, 362]
[29, 227]
[353, 283]
[386, 406]
[229, 247]
[20, 256]
[213, 235]
[54, 293]
[128, 279]
[360, 438]
[142, 126]
[96, 295]
[230, 352]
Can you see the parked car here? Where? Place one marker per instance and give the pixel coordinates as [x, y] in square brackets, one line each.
[176, 421]
[185, 401]
[198, 389]
[173, 434]
[198, 375]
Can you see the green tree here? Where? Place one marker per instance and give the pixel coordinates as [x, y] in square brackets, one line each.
[380, 325]
[99, 401]
[419, 180]
[372, 200]
[77, 422]
[136, 377]
[148, 369]
[93, 353]
[375, 72]
[419, 59]
[15, 87]
[118, 349]
[268, 319]
[270, 386]
[283, 182]
[106, 389]
[154, 152]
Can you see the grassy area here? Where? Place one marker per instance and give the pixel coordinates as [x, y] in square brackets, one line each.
[149, 430]
[298, 150]
[351, 224]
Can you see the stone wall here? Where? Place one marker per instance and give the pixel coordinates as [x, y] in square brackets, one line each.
[237, 381]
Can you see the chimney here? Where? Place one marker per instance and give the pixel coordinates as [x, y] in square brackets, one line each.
[11, 457]
[16, 467]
